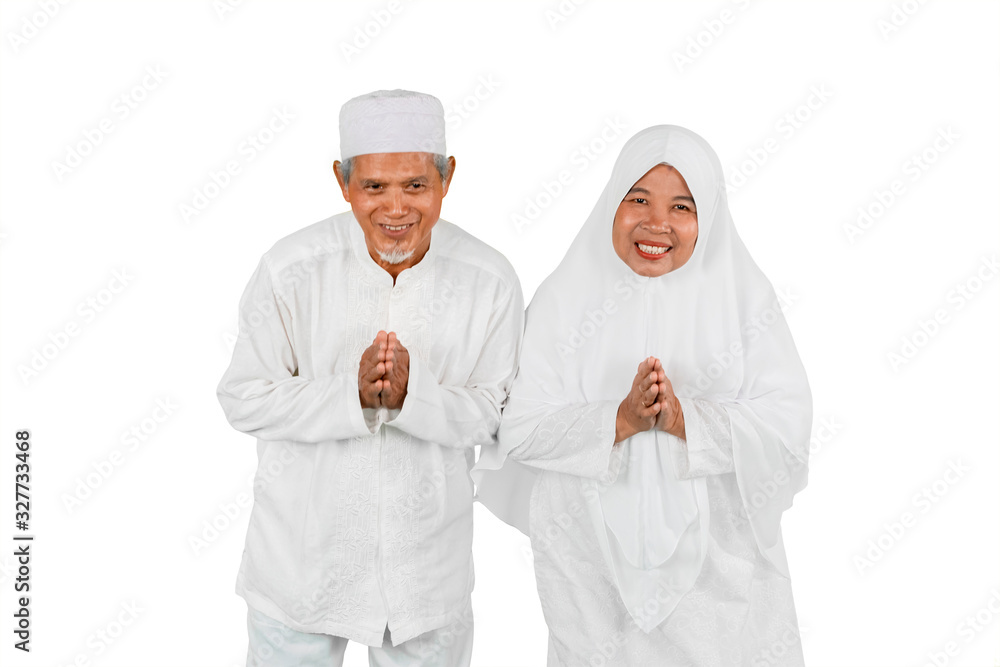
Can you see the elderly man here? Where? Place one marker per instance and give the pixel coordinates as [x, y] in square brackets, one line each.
[376, 349]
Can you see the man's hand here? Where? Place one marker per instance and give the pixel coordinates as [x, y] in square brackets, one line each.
[372, 370]
[637, 413]
[671, 416]
[397, 374]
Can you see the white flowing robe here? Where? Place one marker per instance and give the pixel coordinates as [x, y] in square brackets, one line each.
[657, 550]
[363, 518]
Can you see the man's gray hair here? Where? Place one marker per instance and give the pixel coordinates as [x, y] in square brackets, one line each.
[440, 161]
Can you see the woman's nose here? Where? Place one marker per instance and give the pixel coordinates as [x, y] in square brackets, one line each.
[658, 220]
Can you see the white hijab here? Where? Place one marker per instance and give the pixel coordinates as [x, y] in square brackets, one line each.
[652, 526]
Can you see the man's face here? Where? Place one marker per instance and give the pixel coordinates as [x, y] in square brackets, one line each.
[396, 198]
[656, 224]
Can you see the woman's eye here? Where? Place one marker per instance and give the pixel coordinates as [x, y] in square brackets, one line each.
[639, 200]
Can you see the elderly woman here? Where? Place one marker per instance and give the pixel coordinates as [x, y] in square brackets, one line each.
[657, 429]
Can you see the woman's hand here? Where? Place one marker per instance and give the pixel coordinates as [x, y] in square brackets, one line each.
[670, 417]
[638, 412]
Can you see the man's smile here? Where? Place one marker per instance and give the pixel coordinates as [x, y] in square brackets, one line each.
[396, 231]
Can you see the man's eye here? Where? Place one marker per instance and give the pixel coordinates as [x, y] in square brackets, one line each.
[416, 186]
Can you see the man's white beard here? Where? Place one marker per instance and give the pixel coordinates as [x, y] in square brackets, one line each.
[395, 256]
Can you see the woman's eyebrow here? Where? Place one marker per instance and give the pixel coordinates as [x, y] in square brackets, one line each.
[685, 198]
[637, 189]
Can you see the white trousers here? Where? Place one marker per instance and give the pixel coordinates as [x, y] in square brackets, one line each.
[274, 644]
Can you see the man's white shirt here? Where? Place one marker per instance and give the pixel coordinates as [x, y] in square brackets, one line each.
[363, 518]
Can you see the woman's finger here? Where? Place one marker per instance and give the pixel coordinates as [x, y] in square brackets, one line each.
[668, 389]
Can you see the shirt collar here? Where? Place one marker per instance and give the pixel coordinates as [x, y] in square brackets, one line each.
[417, 270]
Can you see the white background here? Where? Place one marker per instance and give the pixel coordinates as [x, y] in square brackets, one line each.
[526, 87]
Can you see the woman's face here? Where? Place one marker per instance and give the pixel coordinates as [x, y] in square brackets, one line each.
[656, 225]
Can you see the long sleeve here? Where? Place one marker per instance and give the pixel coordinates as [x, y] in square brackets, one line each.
[575, 439]
[261, 392]
[771, 423]
[468, 415]
[708, 448]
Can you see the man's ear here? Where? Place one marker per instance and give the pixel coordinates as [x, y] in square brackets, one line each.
[340, 181]
[451, 172]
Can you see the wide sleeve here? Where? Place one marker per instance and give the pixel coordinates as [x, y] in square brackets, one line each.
[576, 439]
[545, 426]
[467, 415]
[708, 446]
[771, 421]
[261, 393]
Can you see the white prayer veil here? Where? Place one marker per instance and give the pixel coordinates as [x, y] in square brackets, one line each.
[716, 325]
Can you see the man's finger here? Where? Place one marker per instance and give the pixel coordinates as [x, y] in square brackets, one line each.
[369, 370]
[636, 381]
[649, 395]
[648, 412]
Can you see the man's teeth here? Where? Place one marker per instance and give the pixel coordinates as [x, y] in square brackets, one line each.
[652, 249]
[395, 229]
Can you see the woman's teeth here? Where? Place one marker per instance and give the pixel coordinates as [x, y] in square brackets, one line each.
[395, 229]
[652, 249]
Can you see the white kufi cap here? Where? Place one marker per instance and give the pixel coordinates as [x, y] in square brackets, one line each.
[392, 121]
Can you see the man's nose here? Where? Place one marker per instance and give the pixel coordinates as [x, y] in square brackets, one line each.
[395, 206]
